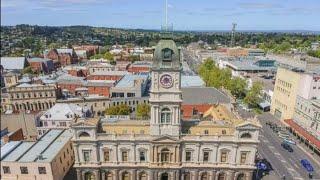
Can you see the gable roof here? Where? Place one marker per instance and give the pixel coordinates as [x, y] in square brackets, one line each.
[13, 63]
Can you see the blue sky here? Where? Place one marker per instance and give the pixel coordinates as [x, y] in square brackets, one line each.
[183, 14]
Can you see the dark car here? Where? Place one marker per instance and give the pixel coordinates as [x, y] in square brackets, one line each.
[286, 147]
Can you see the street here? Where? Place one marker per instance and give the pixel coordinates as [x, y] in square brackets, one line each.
[283, 163]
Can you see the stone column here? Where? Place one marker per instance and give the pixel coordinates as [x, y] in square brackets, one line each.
[215, 153]
[134, 153]
[231, 175]
[78, 174]
[103, 175]
[249, 175]
[116, 174]
[95, 153]
[196, 175]
[150, 175]
[198, 153]
[76, 153]
[177, 175]
[134, 174]
[235, 153]
[97, 174]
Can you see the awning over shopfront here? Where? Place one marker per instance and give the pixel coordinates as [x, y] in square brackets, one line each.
[304, 133]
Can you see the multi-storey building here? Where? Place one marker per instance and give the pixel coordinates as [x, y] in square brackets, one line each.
[48, 158]
[289, 84]
[166, 146]
[31, 97]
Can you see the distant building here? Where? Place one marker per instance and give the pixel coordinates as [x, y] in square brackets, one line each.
[140, 67]
[13, 63]
[10, 78]
[7, 136]
[31, 97]
[289, 84]
[60, 116]
[237, 52]
[107, 75]
[256, 52]
[41, 65]
[80, 71]
[100, 67]
[48, 158]
[62, 56]
[130, 86]
[315, 45]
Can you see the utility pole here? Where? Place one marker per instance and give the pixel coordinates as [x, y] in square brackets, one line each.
[233, 33]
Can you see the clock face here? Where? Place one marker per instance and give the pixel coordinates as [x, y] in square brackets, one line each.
[166, 81]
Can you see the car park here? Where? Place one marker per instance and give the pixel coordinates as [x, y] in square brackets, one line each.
[286, 147]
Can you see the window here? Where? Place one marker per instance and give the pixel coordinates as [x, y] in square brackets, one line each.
[142, 156]
[223, 158]
[245, 135]
[45, 123]
[42, 170]
[108, 176]
[131, 94]
[89, 176]
[124, 156]
[205, 156]
[24, 170]
[63, 124]
[243, 157]
[188, 156]
[221, 176]
[204, 176]
[86, 155]
[206, 132]
[125, 176]
[167, 54]
[165, 115]
[224, 132]
[6, 169]
[165, 153]
[106, 155]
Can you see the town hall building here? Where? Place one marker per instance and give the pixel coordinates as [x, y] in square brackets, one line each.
[218, 145]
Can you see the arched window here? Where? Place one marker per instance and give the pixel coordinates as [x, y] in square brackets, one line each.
[241, 177]
[204, 176]
[221, 176]
[246, 135]
[108, 176]
[164, 176]
[84, 134]
[165, 155]
[125, 176]
[143, 176]
[88, 176]
[165, 115]
[167, 54]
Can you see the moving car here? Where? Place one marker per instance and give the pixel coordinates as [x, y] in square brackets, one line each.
[286, 147]
[289, 141]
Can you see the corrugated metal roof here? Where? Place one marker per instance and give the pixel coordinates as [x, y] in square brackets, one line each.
[192, 81]
[12, 63]
[203, 95]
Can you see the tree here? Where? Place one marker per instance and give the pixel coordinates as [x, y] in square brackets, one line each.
[143, 111]
[27, 70]
[253, 96]
[237, 87]
[108, 56]
[122, 109]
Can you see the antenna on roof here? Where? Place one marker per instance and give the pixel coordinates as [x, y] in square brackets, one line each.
[166, 14]
[165, 27]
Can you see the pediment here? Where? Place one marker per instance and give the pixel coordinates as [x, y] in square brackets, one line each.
[248, 125]
[165, 139]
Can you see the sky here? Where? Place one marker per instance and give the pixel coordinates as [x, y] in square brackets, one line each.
[182, 14]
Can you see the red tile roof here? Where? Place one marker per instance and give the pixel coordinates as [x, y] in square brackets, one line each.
[301, 131]
[188, 109]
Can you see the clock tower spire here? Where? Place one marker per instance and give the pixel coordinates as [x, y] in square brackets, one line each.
[165, 95]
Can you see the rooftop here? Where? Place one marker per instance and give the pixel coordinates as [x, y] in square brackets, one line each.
[191, 81]
[203, 95]
[62, 111]
[37, 59]
[13, 62]
[128, 80]
[48, 146]
[110, 73]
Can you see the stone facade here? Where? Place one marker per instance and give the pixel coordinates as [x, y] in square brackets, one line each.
[31, 97]
[165, 147]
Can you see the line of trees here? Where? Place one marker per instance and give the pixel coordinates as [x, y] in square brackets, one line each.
[142, 112]
[222, 78]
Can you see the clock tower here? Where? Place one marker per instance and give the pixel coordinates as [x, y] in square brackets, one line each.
[165, 94]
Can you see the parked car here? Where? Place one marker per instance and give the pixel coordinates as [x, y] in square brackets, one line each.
[289, 141]
[286, 147]
[307, 165]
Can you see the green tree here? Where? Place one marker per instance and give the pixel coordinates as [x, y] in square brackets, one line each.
[122, 109]
[237, 87]
[108, 56]
[143, 111]
[253, 96]
[27, 70]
